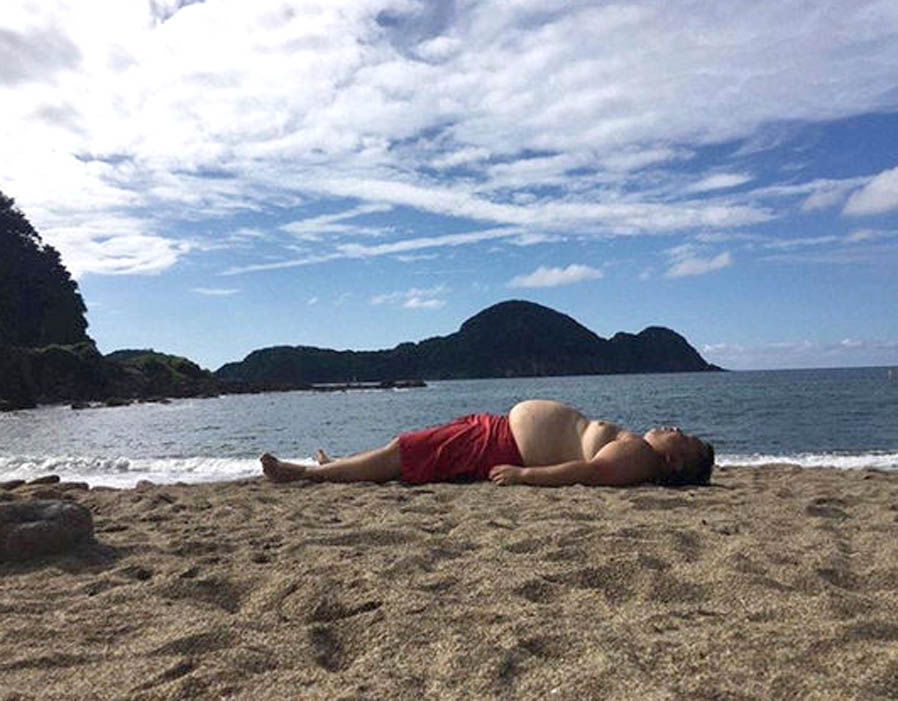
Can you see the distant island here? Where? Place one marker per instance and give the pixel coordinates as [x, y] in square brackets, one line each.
[46, 355]
[509, 339]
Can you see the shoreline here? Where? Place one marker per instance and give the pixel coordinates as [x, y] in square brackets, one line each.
[775, 582]
[249, 469]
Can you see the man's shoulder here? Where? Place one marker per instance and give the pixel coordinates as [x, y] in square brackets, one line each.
[627, 446]
[627, 460]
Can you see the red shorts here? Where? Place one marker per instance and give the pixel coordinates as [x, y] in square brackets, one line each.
[468, 447]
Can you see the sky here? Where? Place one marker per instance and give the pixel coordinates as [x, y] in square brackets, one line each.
[223, 176]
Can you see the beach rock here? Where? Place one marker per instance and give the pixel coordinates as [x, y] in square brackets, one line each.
[69, 486]
[11, 484]
[46, 479]
[116, 402]
[38, 527]
[47, 493]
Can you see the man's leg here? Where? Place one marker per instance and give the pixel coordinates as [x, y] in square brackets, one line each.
[379, 465]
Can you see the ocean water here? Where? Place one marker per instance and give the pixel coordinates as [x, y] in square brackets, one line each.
[841, 418]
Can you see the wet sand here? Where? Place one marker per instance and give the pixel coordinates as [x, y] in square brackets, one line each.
[775, 582]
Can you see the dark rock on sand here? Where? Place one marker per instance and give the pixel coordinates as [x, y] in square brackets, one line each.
[38, 527]
[46, 479]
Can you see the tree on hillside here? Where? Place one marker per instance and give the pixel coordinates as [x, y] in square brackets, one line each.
[39, 302]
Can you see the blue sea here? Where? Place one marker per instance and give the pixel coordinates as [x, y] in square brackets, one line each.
[840, 418]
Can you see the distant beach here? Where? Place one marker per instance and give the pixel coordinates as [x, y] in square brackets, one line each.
[775, 582]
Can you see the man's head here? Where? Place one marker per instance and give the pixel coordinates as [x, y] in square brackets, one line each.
[687, 459]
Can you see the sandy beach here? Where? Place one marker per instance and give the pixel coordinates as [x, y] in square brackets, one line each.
[776, 582]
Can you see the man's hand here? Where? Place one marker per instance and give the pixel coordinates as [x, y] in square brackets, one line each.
[506, 474]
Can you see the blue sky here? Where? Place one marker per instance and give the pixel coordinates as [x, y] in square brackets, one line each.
[222, 176]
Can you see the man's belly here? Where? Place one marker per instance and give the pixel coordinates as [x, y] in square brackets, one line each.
[548, 432]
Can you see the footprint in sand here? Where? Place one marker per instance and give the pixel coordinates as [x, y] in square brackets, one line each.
[329, 651]
[536, 591]
[328, 610]
[197, 643]
[369, 538]
[524, 547]
[659, 503]
[688, 543]
[827, 507]
[614, 581]
[668, 589]
[217, 591]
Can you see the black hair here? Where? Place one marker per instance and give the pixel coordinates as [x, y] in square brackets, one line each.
[697, 471]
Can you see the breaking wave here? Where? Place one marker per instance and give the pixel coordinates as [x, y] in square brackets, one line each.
[845, 461]
[127, 472]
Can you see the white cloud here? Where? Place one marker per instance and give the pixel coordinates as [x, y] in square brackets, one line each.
[817, 194]
[415, 257]
[869, 235]
[170, 113]
[418, 303]
[462, 156]
[115, 246]
[802, 242]
[553, 277]
[686, 260]
[876, 197]
[636, 158]
[719, 181]
[853, 254]
[614, 217]
[723, 236]
[312, 228]
[794, 353]
[356, 250]
[830, 195]
[533, 238]
[414, 298]
[215, 291]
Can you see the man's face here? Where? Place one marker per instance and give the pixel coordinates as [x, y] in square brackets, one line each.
[677, 446]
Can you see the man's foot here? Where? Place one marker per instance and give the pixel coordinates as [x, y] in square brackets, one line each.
[278, 471]
[322, 458]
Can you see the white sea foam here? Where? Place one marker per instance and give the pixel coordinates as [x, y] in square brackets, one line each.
[126, 472]
[878, 460]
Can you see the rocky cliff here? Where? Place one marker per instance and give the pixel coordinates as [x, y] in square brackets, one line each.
[45, 352]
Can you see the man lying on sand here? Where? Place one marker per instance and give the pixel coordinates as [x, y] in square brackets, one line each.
[540, 442]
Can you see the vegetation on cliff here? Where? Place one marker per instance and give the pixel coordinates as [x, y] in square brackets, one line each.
[39, 301]
[45, 352]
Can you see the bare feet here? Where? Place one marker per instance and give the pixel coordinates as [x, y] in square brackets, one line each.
[278, 471]
[322, 458]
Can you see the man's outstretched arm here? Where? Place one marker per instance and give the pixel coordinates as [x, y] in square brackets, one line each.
[618, 464]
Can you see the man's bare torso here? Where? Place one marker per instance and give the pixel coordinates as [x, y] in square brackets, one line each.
[549, 432]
